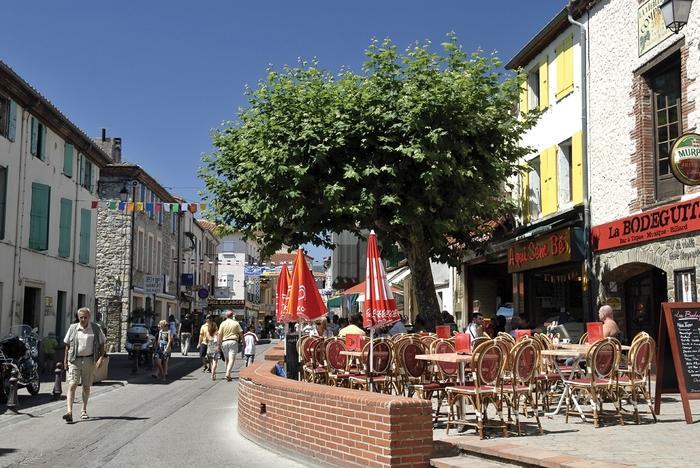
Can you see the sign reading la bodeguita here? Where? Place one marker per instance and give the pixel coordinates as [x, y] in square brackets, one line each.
[669, 220]
[544, 250]
[685, 159]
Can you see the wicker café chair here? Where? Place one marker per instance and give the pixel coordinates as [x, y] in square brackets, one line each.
[380, 378]
[447, 372]
[415, 372]
[478, 340]
[338, 372]
[487, 369]
[315, 369]
[635, 382]
[524, 366]
[400, 377]
[583, 339]
[506, 336]
[602, 361]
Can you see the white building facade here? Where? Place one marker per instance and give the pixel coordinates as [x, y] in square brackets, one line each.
[48, 181]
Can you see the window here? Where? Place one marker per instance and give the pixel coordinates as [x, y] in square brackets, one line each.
[533, 84]
[86, 174]
[81, 300]
[665, 85]
[685, 286]
[173, 222]
[64, 224]
[85, 228]
[39, 217]
[8, 118]
[229, 282]
[159, 256]
[149, 264]
[142, 193]
[564, 64]
[139, 247]
[534, 189]
[173, 261]
[3, 199]
[68, 159]
[564, 173]
[38, 139]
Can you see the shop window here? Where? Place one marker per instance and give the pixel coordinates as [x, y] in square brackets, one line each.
[564, 172]
[534, 189]
[685, 286]
[665, 83]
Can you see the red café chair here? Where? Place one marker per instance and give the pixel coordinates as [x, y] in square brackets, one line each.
[487, 368]
[312, 368]
[338, 372]
[380, 379]
[635, 381]
[447, 372]
[524, 365]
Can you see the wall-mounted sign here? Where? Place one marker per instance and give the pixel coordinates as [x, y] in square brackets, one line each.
[225, 303]
[203, 293]
[651, 28]
[669, 220]
[685, 159]
[152, 284]
[545, 250]
[187, 279]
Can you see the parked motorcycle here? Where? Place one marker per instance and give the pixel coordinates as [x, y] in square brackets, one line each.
[19, 351]
[140, 345]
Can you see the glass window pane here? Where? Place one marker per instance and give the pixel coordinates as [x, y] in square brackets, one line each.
[673, 132]
[661, 117]
[663, 134]
[672, 114]
[663, 167]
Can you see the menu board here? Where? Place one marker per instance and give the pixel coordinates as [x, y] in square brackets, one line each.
[686, 326]
[680, 325]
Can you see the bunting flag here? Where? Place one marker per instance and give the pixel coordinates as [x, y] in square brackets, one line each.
[93, 205]
[149, 207]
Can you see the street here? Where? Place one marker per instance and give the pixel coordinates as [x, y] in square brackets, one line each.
[189, 420]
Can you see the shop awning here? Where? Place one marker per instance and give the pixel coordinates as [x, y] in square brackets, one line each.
[335, 302]
[398, 275]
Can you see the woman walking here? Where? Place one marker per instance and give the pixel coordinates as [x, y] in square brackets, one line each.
[213, 348]
[164, 343]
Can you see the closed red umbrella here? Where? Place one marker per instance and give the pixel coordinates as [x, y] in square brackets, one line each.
[281, 298]
[379, 306]
[304, 302]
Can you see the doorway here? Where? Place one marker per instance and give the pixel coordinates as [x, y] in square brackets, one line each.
[32, 304]
[644, 294]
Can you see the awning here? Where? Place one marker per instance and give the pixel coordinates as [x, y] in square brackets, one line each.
[335, 302]
[398, 275]
[360, 289]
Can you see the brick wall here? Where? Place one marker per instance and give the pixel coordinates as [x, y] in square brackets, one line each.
[332, 426]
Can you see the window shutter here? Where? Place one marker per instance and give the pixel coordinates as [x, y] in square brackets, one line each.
[12, 129]
[569, 63]
[523, 96]
[577, 167]
[34, 130]
[85, 227]
[544, 84]
[81, 169]
[39, 217]
[549, 180]
[565, 67]
[68, 159]
[64, 240]
[43, 143]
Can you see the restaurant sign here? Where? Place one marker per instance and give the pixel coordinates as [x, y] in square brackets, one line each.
[223, 303]
[651, 28]
[545, 250]
[685, 159]
[669, 220]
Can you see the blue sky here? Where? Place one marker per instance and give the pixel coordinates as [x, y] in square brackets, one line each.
[162, 74]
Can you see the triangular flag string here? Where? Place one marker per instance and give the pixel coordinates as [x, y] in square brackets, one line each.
[149, 207]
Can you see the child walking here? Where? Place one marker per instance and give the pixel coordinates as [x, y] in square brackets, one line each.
[250, 339]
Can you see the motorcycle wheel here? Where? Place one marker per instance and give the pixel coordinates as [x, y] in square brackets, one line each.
[33, 386]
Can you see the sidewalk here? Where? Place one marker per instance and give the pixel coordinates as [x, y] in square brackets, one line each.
[668, 443]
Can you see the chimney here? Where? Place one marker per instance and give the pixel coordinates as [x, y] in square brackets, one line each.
[112, 146]
[104, 134]
[117, 149]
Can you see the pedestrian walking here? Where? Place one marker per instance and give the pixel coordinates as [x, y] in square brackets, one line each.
[173, 326]
[85, 350]
[164, 346]
[185, 331]
[250, 339]
[202, 343]
[229, 336]
[213, 347]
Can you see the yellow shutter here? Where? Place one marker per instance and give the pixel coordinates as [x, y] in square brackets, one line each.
[549, 180]
[523, 96]
[565, 67]
[525, 195]
[577, 167]
[544, 84]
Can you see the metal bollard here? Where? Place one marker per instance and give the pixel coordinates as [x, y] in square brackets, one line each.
[12, 397]
[58, 373]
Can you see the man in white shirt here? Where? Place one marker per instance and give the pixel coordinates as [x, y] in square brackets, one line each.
[85, 348]
[476, 327]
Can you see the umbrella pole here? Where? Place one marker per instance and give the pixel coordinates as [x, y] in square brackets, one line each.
[371, 359]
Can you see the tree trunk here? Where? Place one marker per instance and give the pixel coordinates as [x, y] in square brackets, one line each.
[424, 287]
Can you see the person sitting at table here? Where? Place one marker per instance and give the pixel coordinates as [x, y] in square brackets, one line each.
[353, 328]
[610, 328]
[398, 327]
[476, 327]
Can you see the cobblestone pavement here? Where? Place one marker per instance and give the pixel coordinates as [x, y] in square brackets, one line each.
[668, 443]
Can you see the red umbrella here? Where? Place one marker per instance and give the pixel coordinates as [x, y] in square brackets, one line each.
[281, 297]
[304, 302]
[380, 305]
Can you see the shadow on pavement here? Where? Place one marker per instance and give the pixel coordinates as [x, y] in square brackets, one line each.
[6, 451]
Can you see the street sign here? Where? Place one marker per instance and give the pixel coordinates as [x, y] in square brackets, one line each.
[203, 293]
[152, 284]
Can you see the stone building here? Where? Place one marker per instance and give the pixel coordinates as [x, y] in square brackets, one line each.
[49, 171]
[137, 247]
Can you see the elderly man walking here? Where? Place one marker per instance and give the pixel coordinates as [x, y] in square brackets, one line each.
[85, 348]
[230, 337]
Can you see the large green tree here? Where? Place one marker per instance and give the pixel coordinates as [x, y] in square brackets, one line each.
[419, 146]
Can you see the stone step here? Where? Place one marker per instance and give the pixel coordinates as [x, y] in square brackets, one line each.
[467, 461]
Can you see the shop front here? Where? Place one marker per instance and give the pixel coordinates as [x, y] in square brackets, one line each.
[645, 259]
[548, 277]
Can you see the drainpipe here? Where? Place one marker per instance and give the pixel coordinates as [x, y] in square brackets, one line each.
[586, 160]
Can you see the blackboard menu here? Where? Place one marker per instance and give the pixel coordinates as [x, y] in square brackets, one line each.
[686, 326]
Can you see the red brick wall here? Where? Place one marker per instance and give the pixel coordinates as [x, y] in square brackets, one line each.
[332, 426]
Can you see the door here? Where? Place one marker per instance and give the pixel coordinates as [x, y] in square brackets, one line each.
[60, 313]
[643, 297]
[30, 315]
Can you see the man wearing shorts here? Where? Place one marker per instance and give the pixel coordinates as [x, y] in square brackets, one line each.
[85, 348]
[229, 337]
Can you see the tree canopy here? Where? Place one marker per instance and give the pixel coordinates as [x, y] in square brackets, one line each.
[418, 146]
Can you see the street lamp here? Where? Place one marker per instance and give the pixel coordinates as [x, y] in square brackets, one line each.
[676, 13]
[123, 194]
